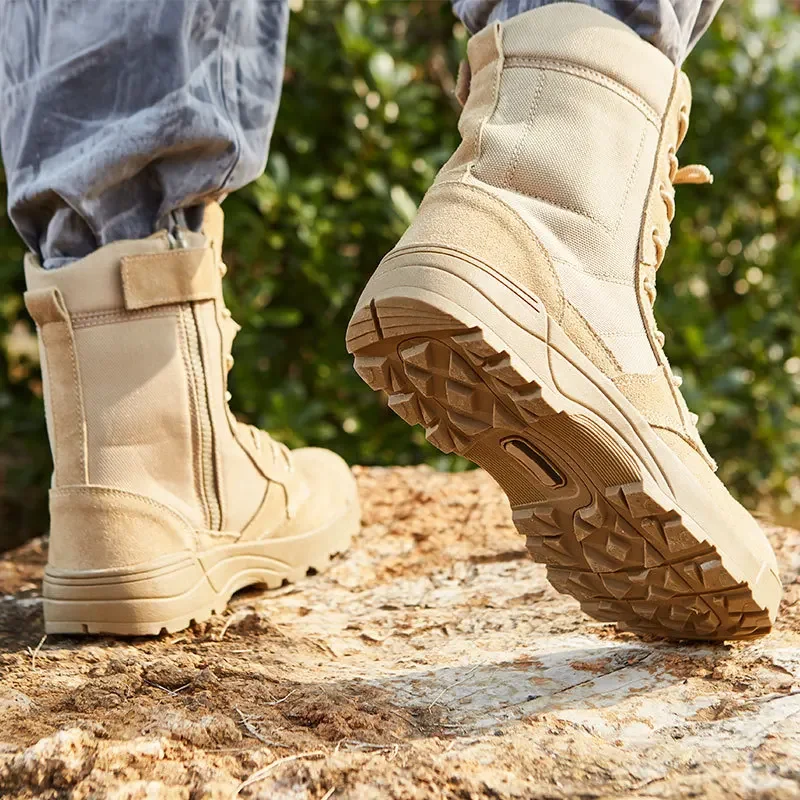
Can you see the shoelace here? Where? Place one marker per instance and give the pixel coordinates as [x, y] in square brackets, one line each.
[693, 174]
[278, 450]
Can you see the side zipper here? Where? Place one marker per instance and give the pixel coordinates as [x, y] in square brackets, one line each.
[209, 487]
[205, 431]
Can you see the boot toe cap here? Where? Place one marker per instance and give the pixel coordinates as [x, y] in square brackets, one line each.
[333, 492]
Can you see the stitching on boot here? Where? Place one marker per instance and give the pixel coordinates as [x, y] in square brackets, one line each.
[91, 319]
[528, 124]
[523, 62]
[498, 66]
[93, 491]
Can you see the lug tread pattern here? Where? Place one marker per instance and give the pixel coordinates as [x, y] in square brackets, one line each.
[626, 555]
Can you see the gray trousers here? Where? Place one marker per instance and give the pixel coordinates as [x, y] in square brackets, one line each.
[121, 118]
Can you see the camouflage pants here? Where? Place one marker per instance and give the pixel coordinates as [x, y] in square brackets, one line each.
[117, 123]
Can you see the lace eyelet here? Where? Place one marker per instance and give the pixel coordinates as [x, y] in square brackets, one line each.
[673, 163]
[669, 201]
[658, 242]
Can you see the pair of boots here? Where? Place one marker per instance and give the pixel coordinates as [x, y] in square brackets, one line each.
[513, 321]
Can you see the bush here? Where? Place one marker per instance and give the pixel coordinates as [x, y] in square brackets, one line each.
[367, 119]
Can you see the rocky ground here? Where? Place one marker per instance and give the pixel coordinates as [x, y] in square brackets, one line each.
[432, 661]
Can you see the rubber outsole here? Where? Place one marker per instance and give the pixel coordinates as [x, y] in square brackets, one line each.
[608, 535]
[185, 589]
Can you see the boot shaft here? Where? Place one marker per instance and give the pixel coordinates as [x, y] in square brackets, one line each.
[569, 118]
[134, 342]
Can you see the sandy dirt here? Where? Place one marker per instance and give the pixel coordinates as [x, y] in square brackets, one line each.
[433, 660]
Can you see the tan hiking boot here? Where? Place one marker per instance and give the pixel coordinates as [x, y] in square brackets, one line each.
[162, 504]
[514, 321]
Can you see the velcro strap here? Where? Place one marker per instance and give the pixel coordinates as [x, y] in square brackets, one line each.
[174, 276]
[46, 306]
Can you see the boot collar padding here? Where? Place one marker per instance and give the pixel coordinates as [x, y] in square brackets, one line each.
[133, 274]
[582, 36]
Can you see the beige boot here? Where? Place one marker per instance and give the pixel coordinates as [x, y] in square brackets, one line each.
[162, 504]
[514, 321]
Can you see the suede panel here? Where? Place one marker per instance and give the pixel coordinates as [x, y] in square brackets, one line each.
[489, 231]
[588, 342]
[652, 396]
[102, 528]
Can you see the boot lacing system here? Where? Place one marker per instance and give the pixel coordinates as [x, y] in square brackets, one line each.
[278, 450]
[691, 173]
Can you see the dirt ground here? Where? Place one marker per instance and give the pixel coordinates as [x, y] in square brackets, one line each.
[432, 661]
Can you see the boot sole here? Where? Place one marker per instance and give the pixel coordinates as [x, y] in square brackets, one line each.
[476, 361]
[173, 593]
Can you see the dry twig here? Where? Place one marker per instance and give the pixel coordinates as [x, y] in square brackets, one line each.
[253, 731]
[259, 775]
[35, 651]
[453, 686]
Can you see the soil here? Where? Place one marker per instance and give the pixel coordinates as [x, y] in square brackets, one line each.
[432, 661]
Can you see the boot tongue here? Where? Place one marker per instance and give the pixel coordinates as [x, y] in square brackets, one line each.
[213, 224]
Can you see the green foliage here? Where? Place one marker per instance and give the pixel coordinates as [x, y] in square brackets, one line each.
[367, 119]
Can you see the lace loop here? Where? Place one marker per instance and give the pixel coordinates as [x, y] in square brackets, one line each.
[279, 451]
[691, 173]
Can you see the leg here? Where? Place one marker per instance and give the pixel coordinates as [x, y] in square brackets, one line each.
[514, 322]
[673, 26]
[162, 505]
[119, 123]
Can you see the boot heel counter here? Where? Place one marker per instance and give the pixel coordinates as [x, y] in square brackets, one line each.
[96, 528]
[466, 219]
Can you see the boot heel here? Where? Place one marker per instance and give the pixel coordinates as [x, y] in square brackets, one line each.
[120, 563]
[142, 601]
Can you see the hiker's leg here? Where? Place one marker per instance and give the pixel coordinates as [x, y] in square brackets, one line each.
[514, 320]
[122, 121]
[673, 26]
